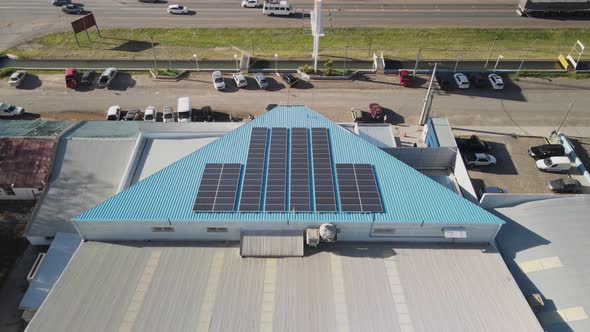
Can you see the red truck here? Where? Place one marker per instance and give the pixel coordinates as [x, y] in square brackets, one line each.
[71, 77]
[404, 77]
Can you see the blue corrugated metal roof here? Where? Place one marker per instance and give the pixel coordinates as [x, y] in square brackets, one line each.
[407, 195]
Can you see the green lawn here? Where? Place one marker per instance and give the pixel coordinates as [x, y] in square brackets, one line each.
[212, 43]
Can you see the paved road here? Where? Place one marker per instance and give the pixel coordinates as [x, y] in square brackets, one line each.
[531, 103]
[25, 19]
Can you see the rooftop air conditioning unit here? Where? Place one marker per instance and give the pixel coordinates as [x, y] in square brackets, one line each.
[312, 237]
[328, 232]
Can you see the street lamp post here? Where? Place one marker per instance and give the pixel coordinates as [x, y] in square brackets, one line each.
[236, 60]
[276, 62]
[500, 56]
[457, 63]
[196, 61]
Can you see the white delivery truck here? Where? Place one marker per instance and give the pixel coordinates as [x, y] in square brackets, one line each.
[184, 109]
[281, 8]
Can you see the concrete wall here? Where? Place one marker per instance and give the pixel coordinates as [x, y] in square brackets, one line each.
[571, 153]
[406, 232]
[425, 158]
[492, 201]
[463, 179]
[20, 194]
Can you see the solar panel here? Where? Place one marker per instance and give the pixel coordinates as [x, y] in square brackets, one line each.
[276, 179]
[253, 176]
[322, 169]
[299, 187]
[218, 188]
[357, 187]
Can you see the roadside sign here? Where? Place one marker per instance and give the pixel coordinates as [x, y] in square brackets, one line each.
[563, 62]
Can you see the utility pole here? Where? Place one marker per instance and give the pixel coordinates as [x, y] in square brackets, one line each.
[565, 117]
[418, 58]
[457, 63]
[523, 58]
[490, 55]
[345, 53]
[425, 107]
[154, 52]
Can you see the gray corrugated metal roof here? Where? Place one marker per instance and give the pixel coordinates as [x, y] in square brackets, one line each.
[547, 229]
[360, 287]
[271, 244]
[85, 172]
[61, 250]
[27, 128]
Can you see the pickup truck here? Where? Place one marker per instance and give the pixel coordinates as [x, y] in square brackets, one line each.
[479, 159]
[472, 144]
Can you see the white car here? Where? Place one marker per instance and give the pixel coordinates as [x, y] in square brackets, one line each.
[261, 80]
[496, 81]
[107, 77]
[461, 80]
[17, 78]
[218, 81]
[479, 159]
[240, 80]
[11, 110]
[150, 114]
[114, 113]
[168, 114]
[251, 4]
[178, 9]
[554, 164]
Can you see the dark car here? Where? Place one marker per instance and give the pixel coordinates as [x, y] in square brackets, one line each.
[270, 106]
[87, 78]
[376, 112]
[204, 114]
[490, 190]
[73, 8]
[444, 82]
[60, 2]
[478, 80]
[289, 79]
[132, 115]
[472, 144]
[546, 151]
[566, 185]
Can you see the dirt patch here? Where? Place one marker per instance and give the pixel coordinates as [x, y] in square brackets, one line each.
[30, 46]
[72, 116]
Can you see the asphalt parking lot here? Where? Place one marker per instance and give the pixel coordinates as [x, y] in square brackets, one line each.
[515, 171]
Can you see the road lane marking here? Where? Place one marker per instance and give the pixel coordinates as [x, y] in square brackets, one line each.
[540, 264]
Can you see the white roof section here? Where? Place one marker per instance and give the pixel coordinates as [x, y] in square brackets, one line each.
[545, 244]
[444, 132]
[85, 172]
[380, 135]
[271, 244]
[364, 287]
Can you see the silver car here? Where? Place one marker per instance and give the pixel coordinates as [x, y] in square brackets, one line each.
[17, 78]
[107, 77]
[168, 114]
[261, 80]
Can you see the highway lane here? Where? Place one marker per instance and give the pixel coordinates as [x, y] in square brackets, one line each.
[25, 19]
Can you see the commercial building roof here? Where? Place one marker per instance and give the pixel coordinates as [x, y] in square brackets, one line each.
[27, 128]
[25, 162]
[406, 194]
[139, 286]
[545, 245]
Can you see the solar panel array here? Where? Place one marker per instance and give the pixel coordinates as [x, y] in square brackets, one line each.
[323, 178]
[254, 174]
[218, 188]
[276, 180]
[300, 184]
[358, 188]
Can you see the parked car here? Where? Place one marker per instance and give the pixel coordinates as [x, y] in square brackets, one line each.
[114, 113]
[546, 151]
[184, 110]
[60, 2]
[73, 8]
[132, 115]
[17, 78]
[376, 112]
[218, 81]
[288, 78]
[7, 110]
[472, 144]
[168, 114]
[404, 77]
[71, 76]
[261, 80]
[461, 81]
[357, 115]
[490, 190]
[566, 185]
[240, 80]
[251, 4]
[478, 80]
[444, 82]
[270, 107]
[479, 159]
[496, 81]
[150, 114]
[107, 77]
[204, 114]
[178, 9]
[150, 1]
[554, 164]
[87, 78]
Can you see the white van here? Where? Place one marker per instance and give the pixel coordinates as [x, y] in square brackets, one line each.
[184, 110]
[282, 8]
[554, 164]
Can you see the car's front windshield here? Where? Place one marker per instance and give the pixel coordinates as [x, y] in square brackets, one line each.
[218, 80]
[149, 117]
[183, 115]
[548, 162]
[168, 116]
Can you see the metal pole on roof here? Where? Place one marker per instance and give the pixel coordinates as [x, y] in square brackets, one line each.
[425, 108]
[565, 117]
